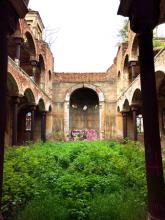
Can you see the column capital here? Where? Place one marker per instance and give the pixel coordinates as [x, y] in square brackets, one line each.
[43, 112]
[33, 107]
[16, 99]
[134, 107]
[124, 114]
[18, 39]
[133, 62]
[124, 111]
[33, 61]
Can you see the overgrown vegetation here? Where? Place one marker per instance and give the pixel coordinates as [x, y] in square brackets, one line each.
[157, 43]
[81, 180]
[123, 32]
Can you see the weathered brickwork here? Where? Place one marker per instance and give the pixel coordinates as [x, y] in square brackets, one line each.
[71, 102]
[30, 72]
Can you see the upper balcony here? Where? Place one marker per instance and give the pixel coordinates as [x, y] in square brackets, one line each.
[22, 82]
[132, 93]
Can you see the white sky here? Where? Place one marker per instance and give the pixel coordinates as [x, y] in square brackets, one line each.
[84, 32]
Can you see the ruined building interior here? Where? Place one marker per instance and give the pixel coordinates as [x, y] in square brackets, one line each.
[45, 104]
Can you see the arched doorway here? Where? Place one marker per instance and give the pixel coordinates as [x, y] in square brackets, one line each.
[84, 113]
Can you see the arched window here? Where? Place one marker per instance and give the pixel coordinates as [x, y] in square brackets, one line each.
[118, 75]
[139, 123]
[28, 121]
[50, 75]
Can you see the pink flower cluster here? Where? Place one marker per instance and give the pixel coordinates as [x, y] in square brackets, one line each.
[86, 134]
[91, 134]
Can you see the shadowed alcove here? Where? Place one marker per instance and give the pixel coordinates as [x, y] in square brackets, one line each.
[84, 110]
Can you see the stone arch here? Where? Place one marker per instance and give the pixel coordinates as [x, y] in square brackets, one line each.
[40, 72]
[48, 105]
[41, 105]
[126, 64]
[12, 85]
[28, 55]
[101, 100]
[41, 62]
[49, 122]
[126, 105]
[89, 86]
[50, 75]
[50, 108]
[118, 75]
[30, 96]
[134, 53]
[29, 43]
[118, 108]
[160, 77]
[136, 98]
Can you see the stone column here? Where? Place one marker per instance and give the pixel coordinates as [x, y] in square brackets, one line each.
[153, 155]
[66, 120]
[134, 114]
[133, 69]
[101, 120]
[15, 120]
[18, 50]
[34, 68]
[49, 123]
[33, 108]
[125, 127]
[43, 126]
[8, 23]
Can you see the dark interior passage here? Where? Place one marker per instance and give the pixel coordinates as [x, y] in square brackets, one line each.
[84, 110]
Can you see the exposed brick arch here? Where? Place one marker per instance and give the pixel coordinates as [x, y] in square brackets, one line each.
[125, 63]
[67, 104]
[134, 49]
[42, 61]
[160, 61]
[160, 77]
[136, 97]
[41, 105]
[89, 86]
[24, 28]
[30, 96]
[126, 105]
[14, 84]
[129, 92]
[30, 43]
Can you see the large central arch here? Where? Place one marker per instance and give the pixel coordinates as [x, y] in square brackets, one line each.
[97, 95]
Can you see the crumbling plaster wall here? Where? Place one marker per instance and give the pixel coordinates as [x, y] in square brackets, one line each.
[108, 89]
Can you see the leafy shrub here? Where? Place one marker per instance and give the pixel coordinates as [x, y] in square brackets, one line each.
[72, 178]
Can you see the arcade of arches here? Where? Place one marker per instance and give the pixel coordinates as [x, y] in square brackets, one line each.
[43, 104]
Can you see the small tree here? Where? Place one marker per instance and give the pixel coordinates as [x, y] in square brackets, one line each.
[50, 35]
[123, 32]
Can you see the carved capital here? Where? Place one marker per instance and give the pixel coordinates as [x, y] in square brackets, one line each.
[43, 113]
[134, 107]
[133, 63]
[16, 99]
[33, 107]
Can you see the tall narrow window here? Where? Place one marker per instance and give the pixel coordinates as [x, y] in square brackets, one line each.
[28, 121]
[139, 122]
